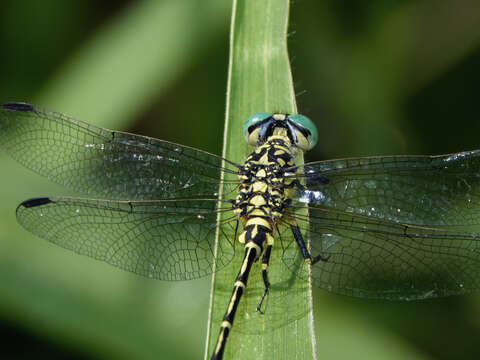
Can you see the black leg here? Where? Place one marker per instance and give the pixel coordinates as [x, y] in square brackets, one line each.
[265, 262]
[303, 247]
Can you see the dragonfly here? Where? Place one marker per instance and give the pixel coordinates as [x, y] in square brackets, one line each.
[384, 227]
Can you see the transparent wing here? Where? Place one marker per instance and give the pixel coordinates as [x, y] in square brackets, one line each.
[167, 240]
[105, 163]
[424, 190]
[374, 258]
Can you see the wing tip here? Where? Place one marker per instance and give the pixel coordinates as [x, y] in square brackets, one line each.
[18, 106]
[35, 202]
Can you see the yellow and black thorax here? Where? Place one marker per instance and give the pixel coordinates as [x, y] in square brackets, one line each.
[264, 191]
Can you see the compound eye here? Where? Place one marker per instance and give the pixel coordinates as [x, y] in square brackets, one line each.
[250, 131]
[309, 138]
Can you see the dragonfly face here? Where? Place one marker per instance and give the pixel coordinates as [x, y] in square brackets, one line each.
[386, 227]
[299, 129]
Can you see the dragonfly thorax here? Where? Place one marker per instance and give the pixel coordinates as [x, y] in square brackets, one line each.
[263, 189]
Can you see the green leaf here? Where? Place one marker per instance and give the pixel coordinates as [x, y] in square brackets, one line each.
[260, 80]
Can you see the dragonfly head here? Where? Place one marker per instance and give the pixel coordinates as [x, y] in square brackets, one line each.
[300, 130]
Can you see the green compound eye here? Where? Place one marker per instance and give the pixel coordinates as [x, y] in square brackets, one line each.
[252, 138]
[306, 123]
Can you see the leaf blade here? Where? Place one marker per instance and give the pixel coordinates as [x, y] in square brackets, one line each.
[260, 81]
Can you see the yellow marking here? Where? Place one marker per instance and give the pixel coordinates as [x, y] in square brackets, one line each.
[259, 186]
[261, 173]
[253, 136]
[308, 261]
[270, 239]
[280, 161]
[239, 283]
[279, 152]
[241, 238]
[254, 232]
[279, 117]
[219, 343]
[264, 159]
[281, 134]
[282, 147]
[256, 212]
[302, 142]
[257, 200]
[276, 214]
[264, 266]
[232, 302]
[258, 221]
[252, 245]
[245, 261]
[226, 324]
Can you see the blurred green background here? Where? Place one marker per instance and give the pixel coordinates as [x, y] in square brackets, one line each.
[377, 77]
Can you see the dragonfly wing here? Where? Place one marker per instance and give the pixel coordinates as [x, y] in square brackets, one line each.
[373, 258]
[167, 240]
[105, 163]
[424, 190]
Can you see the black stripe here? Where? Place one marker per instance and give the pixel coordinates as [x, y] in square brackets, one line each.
[18, 106]
[218, 355]
[249, 258]
[36, 202]
[230, 316]
[243, 277]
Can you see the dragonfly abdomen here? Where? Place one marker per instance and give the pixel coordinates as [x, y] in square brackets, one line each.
[257, 233]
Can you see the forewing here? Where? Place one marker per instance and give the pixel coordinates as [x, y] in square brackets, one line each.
[424, 190]
[372, 258]
[167, 240]
[105, 163]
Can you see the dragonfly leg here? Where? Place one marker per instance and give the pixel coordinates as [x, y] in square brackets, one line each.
[317, 178]
[295, 184]
[265, 263]
[303, 247]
